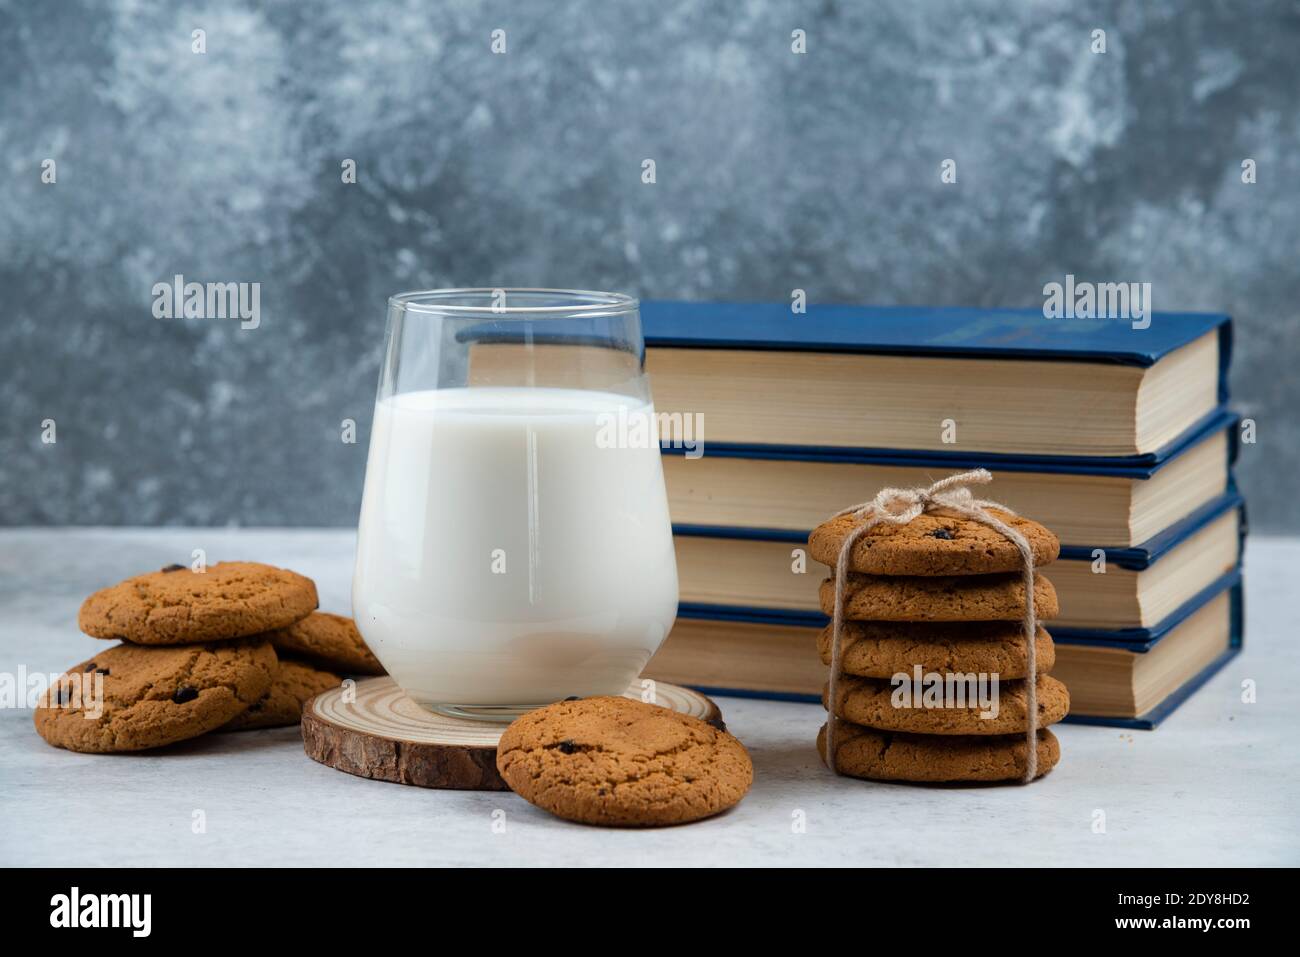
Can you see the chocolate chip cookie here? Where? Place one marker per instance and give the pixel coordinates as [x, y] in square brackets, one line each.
[941, 542]
[332, 641]
[177, 606]
[951, 598]
[295, 683]
[890, 756]
[622, 763]
[871, 702]
[154, 696]
[882, 649]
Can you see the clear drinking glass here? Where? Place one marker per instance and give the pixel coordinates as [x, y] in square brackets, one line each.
[514, 546]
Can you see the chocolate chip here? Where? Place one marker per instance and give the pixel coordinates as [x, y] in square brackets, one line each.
[102, 671]
[568, 747]
[717, 723]
[174, 568]
[65, 694]
[90, 667]
[942, 533]
[573, 697]
[185, 694]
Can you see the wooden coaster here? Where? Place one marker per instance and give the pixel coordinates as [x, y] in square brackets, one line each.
[385, 735]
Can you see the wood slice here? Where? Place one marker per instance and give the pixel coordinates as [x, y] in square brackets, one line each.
[385, 735]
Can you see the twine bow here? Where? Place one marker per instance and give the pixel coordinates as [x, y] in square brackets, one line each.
[899, 506]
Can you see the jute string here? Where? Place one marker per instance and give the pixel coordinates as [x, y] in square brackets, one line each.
[898, 506]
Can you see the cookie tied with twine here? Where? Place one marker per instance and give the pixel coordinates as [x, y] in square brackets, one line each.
[901, 507]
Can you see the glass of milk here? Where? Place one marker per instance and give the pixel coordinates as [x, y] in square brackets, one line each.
[514, 546]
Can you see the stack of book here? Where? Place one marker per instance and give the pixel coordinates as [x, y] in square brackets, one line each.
[1116, 437]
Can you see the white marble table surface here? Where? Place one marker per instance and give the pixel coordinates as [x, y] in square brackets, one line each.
[1218, 784]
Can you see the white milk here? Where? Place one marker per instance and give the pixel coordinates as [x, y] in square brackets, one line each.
[505, 558]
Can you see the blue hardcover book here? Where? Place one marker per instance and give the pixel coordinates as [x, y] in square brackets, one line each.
[759, 494]
[1192, 638]
[1221, 421]
[1114, 680]
[922, 330]
[1113, 594]
[871, 381]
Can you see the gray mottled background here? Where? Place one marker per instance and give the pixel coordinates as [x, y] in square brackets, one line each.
[774, 171]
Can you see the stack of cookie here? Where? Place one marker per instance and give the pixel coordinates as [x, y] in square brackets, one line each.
[934, 615]
[236, 646]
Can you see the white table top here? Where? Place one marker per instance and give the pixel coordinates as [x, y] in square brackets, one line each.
[1217, 784]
